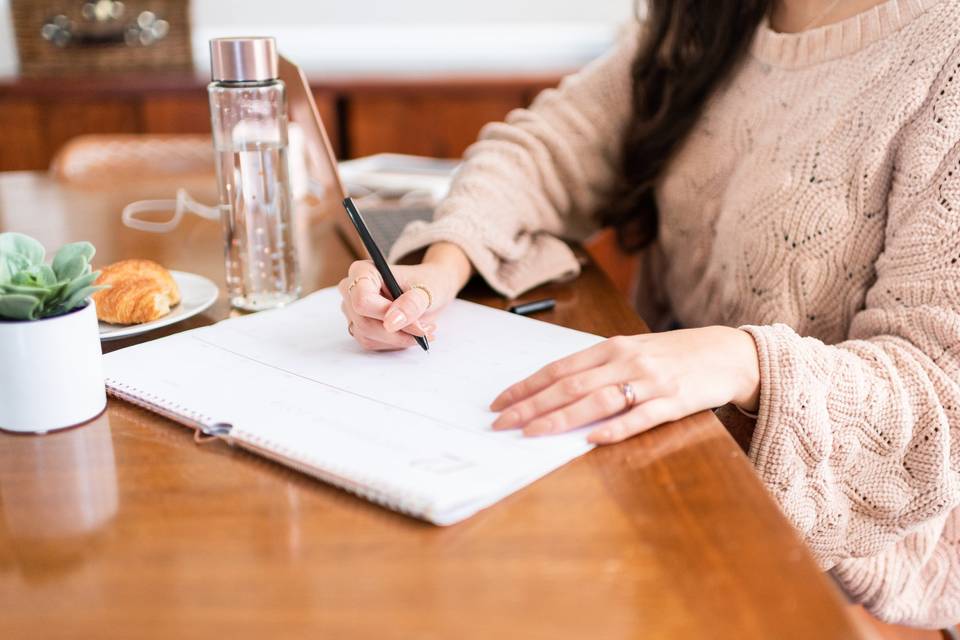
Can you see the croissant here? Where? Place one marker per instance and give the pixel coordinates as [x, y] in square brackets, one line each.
[140, 291]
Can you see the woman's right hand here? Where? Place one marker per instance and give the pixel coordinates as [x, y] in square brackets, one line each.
[378, 323]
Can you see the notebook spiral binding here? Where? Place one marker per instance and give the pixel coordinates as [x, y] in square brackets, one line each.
[376, 492]
[152, 402]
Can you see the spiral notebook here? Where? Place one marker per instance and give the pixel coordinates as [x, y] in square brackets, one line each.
[409, 430]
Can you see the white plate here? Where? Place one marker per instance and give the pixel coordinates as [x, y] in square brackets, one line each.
[196, 295]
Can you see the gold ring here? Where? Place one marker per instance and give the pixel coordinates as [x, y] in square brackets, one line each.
[358, 279]
[424, 288]
[628, 394]
[350, 327]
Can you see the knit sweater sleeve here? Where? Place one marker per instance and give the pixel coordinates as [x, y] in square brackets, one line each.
[539, 175]
[859, 441]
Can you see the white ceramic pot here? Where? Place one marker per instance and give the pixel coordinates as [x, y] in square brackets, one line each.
[51, 372]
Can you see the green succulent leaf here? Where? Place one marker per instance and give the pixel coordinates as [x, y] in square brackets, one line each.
[72, 268]
[31, 289]
[22, 245]
[44, 274]
[40, 293]
[55, 296]
[77, 297]
[38, 275]
[81, 282]
[23, 278]
[17, 306]
[70, 252]
[13, 263]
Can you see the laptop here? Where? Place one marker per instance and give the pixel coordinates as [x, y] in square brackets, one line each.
[386, 220]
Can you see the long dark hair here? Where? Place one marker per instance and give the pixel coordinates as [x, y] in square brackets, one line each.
[688, 48]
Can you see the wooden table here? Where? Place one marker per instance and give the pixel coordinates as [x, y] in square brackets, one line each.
[125, 528]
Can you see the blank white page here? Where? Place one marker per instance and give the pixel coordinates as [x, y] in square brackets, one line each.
[410, 428]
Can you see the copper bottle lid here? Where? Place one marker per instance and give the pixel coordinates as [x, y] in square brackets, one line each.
[243, 59]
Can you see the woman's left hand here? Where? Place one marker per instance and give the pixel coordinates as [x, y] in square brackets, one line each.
[672, 374]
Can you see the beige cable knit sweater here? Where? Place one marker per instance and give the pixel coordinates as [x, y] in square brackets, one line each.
[816, 204]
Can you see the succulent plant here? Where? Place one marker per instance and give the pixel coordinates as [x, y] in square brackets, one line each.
[31, 289]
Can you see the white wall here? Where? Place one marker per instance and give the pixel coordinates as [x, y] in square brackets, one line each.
[550, 22]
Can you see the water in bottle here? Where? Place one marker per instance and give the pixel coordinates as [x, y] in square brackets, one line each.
[249, 115]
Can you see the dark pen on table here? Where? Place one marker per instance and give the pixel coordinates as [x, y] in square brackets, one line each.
[536, 306]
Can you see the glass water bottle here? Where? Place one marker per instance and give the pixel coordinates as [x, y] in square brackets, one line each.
[248, 108]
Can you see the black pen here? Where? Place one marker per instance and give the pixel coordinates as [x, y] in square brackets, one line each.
[378, 260]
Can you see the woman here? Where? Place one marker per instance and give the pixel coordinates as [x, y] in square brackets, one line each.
[790, 172]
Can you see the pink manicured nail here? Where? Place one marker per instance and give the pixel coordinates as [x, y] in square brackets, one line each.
[599, 436]
[394, 320]
[538, 427]
[506, 420]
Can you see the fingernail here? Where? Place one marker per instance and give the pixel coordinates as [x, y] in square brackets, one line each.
[538, 427]
[425, 329]
[599, 436]
[394, 320]
[498, 403]
[506, 420]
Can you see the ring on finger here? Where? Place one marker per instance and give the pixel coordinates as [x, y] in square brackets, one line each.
[426, 290]
[629, 395]
[358, 279]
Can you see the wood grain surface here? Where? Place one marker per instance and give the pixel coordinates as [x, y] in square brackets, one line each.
[125, 528]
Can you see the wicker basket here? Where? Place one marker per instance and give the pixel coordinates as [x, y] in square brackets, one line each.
[57, 37]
